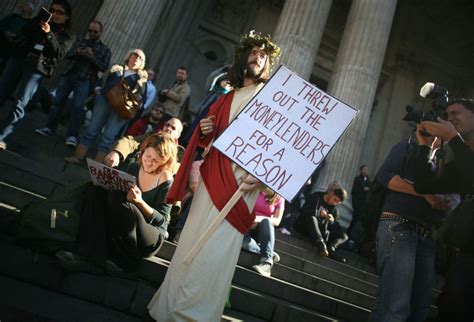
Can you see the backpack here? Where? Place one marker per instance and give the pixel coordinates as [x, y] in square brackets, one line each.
[52, 224]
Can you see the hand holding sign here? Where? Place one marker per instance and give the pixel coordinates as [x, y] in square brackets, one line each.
[249, 183]
[134, 194]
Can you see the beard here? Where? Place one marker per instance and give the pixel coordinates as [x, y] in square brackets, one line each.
[252, 71]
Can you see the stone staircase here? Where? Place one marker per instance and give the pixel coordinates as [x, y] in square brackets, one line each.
[303, 286]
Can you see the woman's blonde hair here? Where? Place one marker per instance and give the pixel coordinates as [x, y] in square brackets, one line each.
[138, 52]
[166, 148]
[271, 197]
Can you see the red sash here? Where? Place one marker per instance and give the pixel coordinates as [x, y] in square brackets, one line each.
[216, 171]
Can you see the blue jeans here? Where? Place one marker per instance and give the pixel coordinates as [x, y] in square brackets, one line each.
[103, 117]
[29, 82]
[265, 233]
[405, 264]
[66, 85]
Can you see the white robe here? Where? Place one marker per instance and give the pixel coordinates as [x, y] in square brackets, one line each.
[198, 292]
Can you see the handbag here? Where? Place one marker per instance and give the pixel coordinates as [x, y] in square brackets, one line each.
[122, 100]
[459, 225]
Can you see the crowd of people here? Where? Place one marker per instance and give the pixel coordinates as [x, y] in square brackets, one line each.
[178, 169]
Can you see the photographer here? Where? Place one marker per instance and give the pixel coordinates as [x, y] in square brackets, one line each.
[455, 302]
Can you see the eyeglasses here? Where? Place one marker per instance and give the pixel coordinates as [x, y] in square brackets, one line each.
[57, 12]
[92, 31]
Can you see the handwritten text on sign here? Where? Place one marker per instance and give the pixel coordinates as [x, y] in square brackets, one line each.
[109, 178]
[285, 131]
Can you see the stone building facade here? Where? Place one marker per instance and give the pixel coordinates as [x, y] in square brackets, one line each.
[372, 54]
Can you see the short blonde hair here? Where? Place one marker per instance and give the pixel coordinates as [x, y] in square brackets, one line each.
[139, 53]
[166, 148]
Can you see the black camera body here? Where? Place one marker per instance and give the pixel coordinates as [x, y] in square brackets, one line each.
[439, 96]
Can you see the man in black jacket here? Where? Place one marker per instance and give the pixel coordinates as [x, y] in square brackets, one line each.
[318, 222]
[456, 301]
[359, 194]
[45, 42]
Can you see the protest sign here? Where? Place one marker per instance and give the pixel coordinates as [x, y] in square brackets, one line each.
[285, 131]
[109, 178]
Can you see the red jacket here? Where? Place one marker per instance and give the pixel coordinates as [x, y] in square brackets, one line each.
[216, 170]
[140, 125]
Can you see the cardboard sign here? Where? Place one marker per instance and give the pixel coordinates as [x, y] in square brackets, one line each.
[109, 178]
[285, 131]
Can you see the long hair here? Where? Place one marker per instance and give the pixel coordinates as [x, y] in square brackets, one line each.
[238, 69]
[166, 148]
[271, 197]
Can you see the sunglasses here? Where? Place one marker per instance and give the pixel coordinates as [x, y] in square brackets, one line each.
[57, 12]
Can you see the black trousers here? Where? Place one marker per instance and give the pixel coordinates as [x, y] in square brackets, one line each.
[456, 302]
[113, 228]
[318, 231]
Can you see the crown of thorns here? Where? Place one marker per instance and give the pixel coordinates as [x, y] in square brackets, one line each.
[264, 43]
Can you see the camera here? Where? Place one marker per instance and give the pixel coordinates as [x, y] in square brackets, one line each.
[439, 97]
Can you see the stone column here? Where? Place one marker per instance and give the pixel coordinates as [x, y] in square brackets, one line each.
[265, 18]
[128, 24]
[354, 81]
[299, 31]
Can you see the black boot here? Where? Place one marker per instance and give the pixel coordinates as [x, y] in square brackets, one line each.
[335, 256]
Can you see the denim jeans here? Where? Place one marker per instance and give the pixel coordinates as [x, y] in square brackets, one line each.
[103, 116]
[405, 264]
[80, 89]
[265, 234]
[27, 87]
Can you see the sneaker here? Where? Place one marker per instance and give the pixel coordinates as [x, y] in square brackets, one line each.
[46, 131]
[71, 141]
[264, 269]
[285, 231]
[3, 146]
[336, 256]
[276, 257]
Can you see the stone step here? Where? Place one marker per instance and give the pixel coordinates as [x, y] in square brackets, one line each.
[327, 273]
[362, 296]
[309, 254]
[17, 197]
[20, 301]
[247, 299]
[131, 293]
[301, 295]
[269, 308]
[24, 172]
[236, 316]
[307, 274]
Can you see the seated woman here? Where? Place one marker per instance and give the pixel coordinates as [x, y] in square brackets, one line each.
[103, 116]
[268, 210]
[122, 228]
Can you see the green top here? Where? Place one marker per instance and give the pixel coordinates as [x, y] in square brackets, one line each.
[155, 198]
